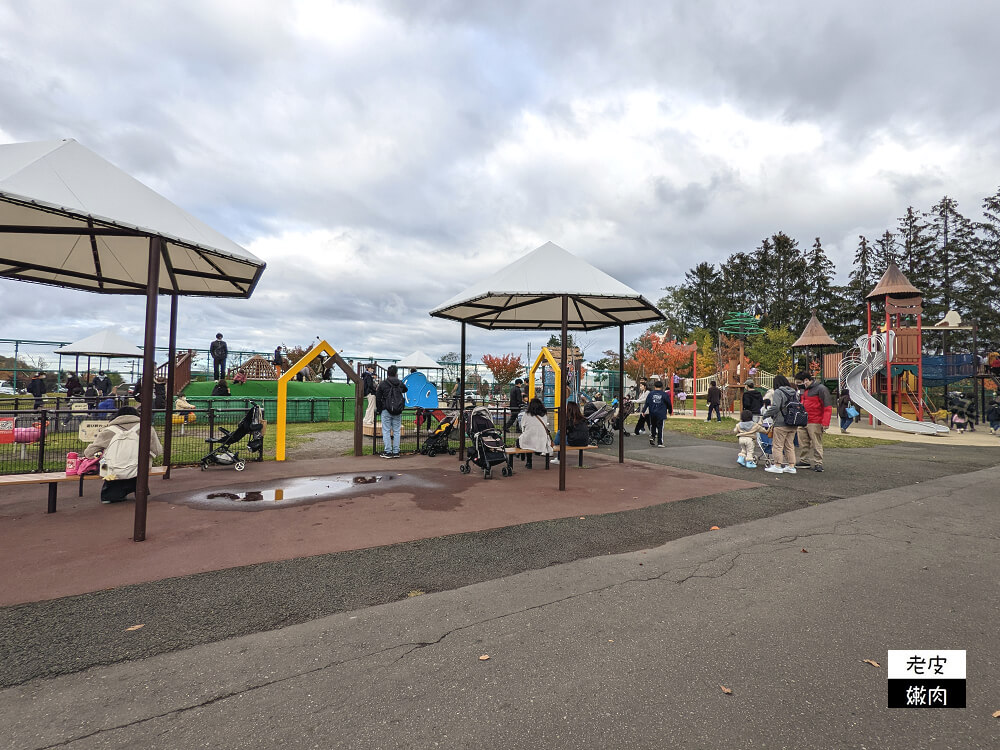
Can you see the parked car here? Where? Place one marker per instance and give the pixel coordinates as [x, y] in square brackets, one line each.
[6, 390]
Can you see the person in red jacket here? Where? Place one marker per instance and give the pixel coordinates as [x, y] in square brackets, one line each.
[819, 406]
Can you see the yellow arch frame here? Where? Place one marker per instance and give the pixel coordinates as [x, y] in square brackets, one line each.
[546, 355]
[321, 348]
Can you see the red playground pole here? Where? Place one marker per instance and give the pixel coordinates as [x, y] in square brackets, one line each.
[694, 396]
[888, 356]
[920, 368]
[870, 380]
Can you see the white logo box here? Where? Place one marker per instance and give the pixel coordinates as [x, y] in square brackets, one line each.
[951, 663]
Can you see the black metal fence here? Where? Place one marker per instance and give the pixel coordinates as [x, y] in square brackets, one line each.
[299, 409]
[419, 426]
[37, 441]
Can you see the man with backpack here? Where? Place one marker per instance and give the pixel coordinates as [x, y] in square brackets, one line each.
[219, 352]
[818, 404]
[118, 448]
[390, 402]
[788, 414]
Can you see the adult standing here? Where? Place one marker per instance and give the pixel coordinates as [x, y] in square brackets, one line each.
[783, 442]
[640, 404]
[657, 406]
[73, 386]
[36, 387]
[843, 404]
[819, 406]
[714, 400]
[219, 352]
[278, 361]
[102, 383]
[516, 403]
[390, 403]
[368, 391]
[753, 399]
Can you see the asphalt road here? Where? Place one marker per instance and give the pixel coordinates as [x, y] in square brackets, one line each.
[623, 651]
[64, 636]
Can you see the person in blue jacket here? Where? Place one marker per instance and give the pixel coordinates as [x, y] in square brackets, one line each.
[656, 408]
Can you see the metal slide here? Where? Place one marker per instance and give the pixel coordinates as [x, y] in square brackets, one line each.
[855, 369]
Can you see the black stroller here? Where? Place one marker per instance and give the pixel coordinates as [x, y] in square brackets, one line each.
[224, 454]
[620, 414]
[487, 449]
[598, 415]
[437, 441]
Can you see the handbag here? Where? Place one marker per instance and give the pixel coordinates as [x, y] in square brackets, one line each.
[88, 465]
[852, 411]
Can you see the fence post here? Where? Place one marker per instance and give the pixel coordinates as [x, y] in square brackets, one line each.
[312, 409]
[41, 441]
[211, 421]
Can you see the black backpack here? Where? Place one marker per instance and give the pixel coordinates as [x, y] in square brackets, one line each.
[394, 401]
[795, 413]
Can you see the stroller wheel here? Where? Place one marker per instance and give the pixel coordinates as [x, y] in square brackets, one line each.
[431, 453]
[452, 451]
[608, 439]
[505, 471]
[240, 465]
[464, 468]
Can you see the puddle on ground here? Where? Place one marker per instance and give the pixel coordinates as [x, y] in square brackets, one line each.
[286, 492]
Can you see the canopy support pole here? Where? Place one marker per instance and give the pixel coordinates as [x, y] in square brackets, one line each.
[146, 399]
[461, 399]
[561, 407]
[621, 393]
[168, 418]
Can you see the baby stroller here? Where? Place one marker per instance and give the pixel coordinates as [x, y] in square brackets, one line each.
[487, 449]
[762, 453]
[437, 441]
[599, 423]
[224, 454]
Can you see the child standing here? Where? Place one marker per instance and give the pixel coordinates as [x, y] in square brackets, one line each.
[958, 421]
[745, 429]
[682, 401]
[993, 417]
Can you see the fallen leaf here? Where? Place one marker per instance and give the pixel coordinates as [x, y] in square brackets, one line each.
[135, 627]
[484, 657]
[805, 550]
[583, 518]
[996, 714]
[415, 592]
[869, 661]
[726, 690]
[714, 528]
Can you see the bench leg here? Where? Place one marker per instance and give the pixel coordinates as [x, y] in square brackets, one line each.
[81, 485]
[581, 459]
[547, 459]
[527, 461]
[510, 464]
[52, 497]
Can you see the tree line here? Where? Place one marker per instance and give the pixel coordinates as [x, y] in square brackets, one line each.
[952, 259]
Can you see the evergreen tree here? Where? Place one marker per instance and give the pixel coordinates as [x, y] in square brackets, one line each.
[885, 252]
[955, 246]
[986, 296]
[862, 278]
[672, 305]
[702, 296]
[915, 248]
[787, 275]
[741, 279]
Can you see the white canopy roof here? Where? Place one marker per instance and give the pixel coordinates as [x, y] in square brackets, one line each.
[527, 294]
[419, 360]
[104, 343]
[51, 190]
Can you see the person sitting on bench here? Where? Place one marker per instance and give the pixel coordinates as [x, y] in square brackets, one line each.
[535, 436]
[118, 447]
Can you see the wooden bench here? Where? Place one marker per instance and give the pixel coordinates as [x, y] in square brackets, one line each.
[54, 478]
[511, 452]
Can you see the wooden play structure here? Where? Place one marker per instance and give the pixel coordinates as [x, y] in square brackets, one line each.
[255, 368]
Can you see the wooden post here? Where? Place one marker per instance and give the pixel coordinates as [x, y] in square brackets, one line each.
[461, 399]
[621, 393]
[694, 396]
[888, 356]
[561, 409]
[146, 403]
[920, 367]
[168, 416]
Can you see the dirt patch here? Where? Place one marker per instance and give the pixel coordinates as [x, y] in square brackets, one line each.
[325, 444]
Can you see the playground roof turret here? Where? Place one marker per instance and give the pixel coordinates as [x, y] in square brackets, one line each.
[814, 334]
[893, 284]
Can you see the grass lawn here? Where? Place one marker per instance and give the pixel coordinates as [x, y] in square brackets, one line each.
[723, 432]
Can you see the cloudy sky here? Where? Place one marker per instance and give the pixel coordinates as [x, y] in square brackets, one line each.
[381, 156]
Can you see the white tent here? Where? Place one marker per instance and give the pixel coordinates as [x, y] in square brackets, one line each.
[418, 360]
[528, 293]
[104, 343]
[53, 192]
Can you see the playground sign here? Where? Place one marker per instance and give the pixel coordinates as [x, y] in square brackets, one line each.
[90, 429]
[6, 430]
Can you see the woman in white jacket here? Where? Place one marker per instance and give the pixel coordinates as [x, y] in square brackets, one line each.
[535, 430]
[640, 402]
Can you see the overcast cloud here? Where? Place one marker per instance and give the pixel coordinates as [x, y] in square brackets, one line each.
[382, 156]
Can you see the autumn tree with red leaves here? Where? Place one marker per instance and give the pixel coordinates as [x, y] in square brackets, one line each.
[653, 356]
[505, 369]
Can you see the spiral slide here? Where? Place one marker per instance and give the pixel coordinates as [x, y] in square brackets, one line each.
[870, 360]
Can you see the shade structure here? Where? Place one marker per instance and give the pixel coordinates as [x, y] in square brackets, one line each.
[418, 360]
[550, 288]
[528, 293]
[814, 334]
[104, 343]
[70, 218]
